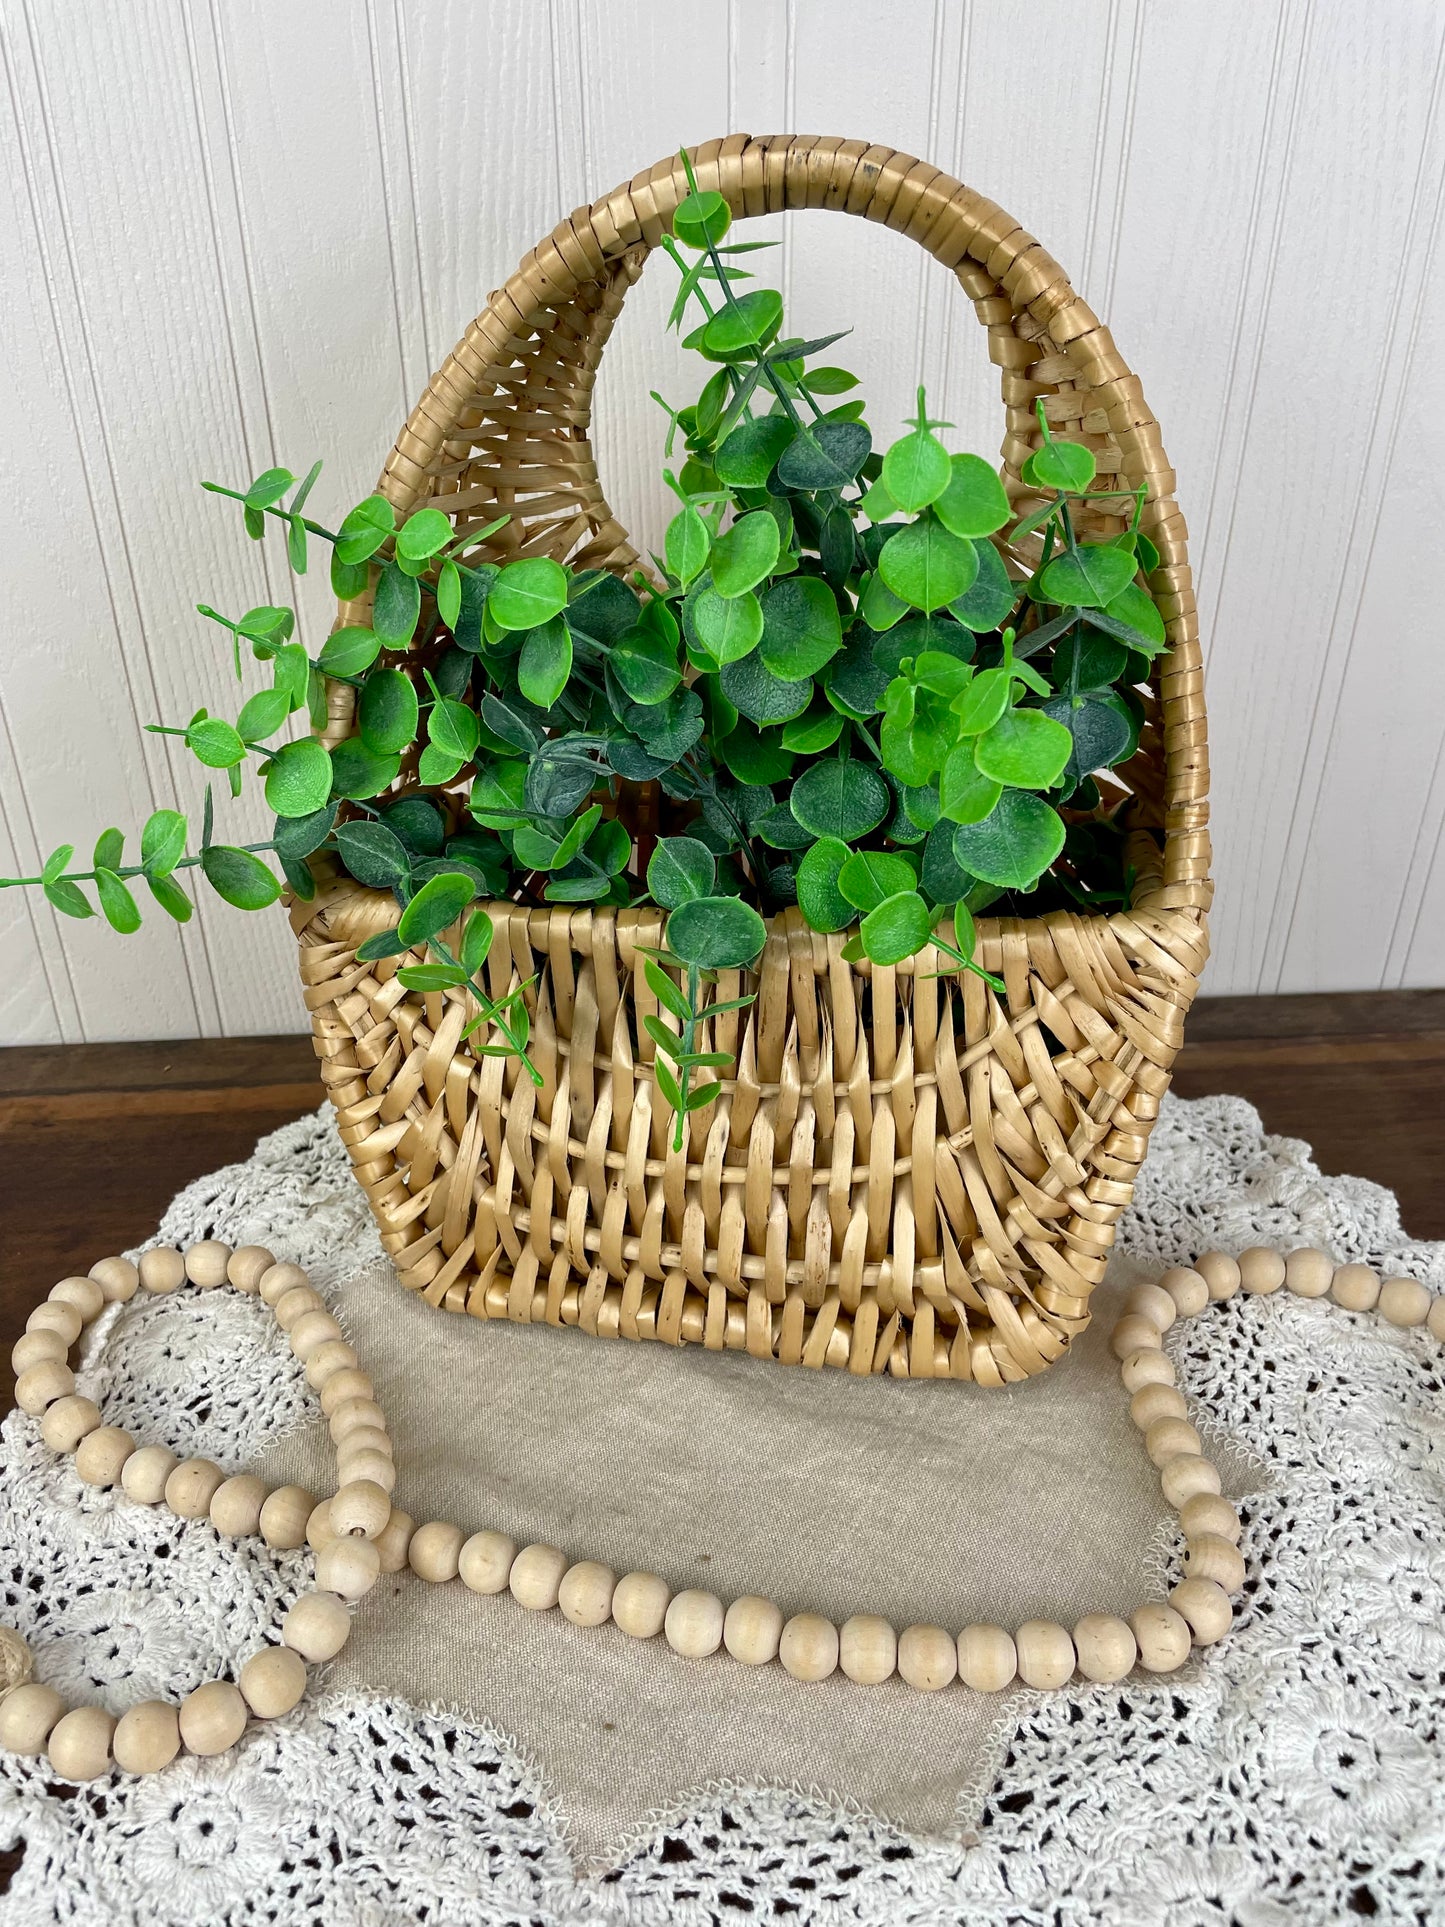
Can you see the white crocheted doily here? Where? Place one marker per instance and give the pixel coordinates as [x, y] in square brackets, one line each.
[1297, 1776]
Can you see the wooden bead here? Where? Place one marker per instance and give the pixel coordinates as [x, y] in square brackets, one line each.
[1309, 1272]
[435, 1552]
[1206, 1606]
[1355, 1287]
[101, 1456]
[283, 1517]
[162, 1271]
[247, 1266]
[1154, 1303]
[536, 1577]
[42, 1385]
[346, 1385]
[336, 1355]
[212, 1718]
[1187, 1288]
[361, 1507]
[84, 1293]
[237, 1504]
[694, 1623]
[68, 1421]
[373, 1467]
[319, 1529]
[1134, 1333]
[485, 1562]
[808, 1647]
[585, 1594]
[1435, 1322]
[1205, 1513]
[1187, 1475]
[1404, 1302]
[1210, 1557]
[295, 1303]
[79, 1744]
[1261, 1270]
[311, 1331]
[1153, 1402]
[752, 1627]
[144, 1474]
[317, 1626]
[1146, 1368]
[1105, 1647]
[987, 1658]
[348, 1566]
[147, 1737]
[1045, 1654]
[868, 1648]
[1162, 1635]
[275, 1283]
[117, 1278]
[53, 1317]
[927, 1657]
[273, 1681]
[192, 1486]
[639, 1604]
[1169, 1438]
[1220, 1273]
[365, 1438]
[27, 1717]
[37, 1348]
[206, 1263]
[393, 1542]
[352, 1415]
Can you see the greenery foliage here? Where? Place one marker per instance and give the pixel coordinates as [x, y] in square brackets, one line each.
[848, 696]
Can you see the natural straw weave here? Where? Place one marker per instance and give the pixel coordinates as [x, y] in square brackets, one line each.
[906, 1173]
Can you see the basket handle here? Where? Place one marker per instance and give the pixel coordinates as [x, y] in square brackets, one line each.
[503, 425]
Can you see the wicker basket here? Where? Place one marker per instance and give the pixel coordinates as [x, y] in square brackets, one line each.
[906, 1174]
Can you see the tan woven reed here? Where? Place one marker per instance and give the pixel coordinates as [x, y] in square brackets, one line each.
[906, 1173]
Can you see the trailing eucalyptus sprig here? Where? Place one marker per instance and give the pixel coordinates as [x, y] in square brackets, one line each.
[866, 684]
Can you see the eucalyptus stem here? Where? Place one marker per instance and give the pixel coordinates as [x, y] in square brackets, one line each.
[131, 870]
[238, 495]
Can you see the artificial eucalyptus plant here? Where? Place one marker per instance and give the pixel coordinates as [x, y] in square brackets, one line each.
[851, 694]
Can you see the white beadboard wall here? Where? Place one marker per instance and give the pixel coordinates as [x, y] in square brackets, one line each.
[244, 231]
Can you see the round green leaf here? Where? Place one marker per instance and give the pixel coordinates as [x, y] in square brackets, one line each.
[1014, 844]
[162, 842]
[1099, 728]
[748, 456]
[814, 731]
[841, 799]
[870, 876]
[744, 557]
[717, 933]
[364, 530]
[214, 743]
[387, 712]
[749, 322]
[117, 904]
[1135, 607]
[349, 652]
[900, 925]
[358, 772]
[702, 219]
[916, 472]
[436, 905]
[1089, 577]
[926, 565]
[299, 778]
[545, 662]
[943, 880]
[396, 608]
[974, 502]
[681, 870]
[820, 898]
[755, 756]
[449, 593]
[262, 715]
[238, 876]
[827, 454]
[527, 593]
[171, 897]
[373, 855]
[1087, 661]
[965, 794]
[755, 692]
[297, 836]
[453, 730]
[686, 545]
[728, 627]
[801, 627]
[67, 897]
[983, 702]
[421, 536]
[1024, 748]
[645, 664]
[1060, 465]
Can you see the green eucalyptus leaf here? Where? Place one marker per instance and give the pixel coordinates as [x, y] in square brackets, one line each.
[291, 673]
[755, 692]
[745, 556]
[364, 530]
[1066, 466]
[426, 977]
[717, 933]
[453, 730]
[348, 579]
[781, 830]
[1135, 608]
[878, 605]
[1024, 748]
[974, 502]
[840, 798]
[171, 897]
[826, 455]
[262, 715]
[1089, 577]
[942, 878]
[829, 381]
[749, 322]
[871, 876]
[686, 545]
[681, 870]
[645, 665]
[987, 600]
[926, 565]
[397, 607]
[1088, 661]
[610, 846]
[296, 837]
[242, 879]
[528, 592]
[437, 905]
[162, 842]
[214, 743]
[268, 488]
[728, 627]
[499, 796]
[965, 794]
[801, 627]
[1099, 728]
[900, 925]
[854, 681]
[983, 702]
[421, 536]
[750, 453]
[817, 729]
[545, 664]
[755, 756]
[298, 781]
[67, 897]
[476, 942]
[373, 854]
[349, 652]
[388, 712]
[109, 848]
[916, 472]
[1014, 844]
[820, 898]
[449, 593]
[358, 772]
[386, 943]
[418, 824]
[118, 906]
[702, 220]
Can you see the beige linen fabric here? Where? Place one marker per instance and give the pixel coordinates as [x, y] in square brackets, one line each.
[922, 1501]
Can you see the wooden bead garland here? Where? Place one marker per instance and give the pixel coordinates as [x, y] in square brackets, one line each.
[358, 1534]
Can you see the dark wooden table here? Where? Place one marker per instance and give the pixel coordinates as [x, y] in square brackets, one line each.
[96, 1140]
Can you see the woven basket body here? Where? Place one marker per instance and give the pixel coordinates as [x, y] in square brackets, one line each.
[907, 1173]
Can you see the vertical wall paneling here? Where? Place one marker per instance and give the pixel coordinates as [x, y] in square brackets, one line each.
[242, 231]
